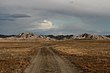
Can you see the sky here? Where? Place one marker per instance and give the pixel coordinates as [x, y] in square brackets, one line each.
[55, 16]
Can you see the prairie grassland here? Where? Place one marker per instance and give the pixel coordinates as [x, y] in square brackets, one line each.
[91, 56]
[16, 56]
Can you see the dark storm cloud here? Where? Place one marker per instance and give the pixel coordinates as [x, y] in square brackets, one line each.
[20, 16]
[12, 17]
[69, 16]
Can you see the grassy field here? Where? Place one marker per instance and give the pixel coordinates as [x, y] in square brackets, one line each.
[91, 56]
[15, 56]
[88, 55]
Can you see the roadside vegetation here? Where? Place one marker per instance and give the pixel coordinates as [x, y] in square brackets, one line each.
[91, 56]
[16, 56]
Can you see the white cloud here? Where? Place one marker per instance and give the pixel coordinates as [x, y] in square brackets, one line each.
[74, 15]
[45, 24]
[88, 6]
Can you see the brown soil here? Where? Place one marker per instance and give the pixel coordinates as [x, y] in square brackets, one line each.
[90, 56]
[16, 56]
[69, 56]
[47, 61]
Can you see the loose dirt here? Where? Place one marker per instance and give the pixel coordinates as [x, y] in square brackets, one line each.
[47, 61]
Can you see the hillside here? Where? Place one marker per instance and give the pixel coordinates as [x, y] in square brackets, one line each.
[28, 35]
[91, 37]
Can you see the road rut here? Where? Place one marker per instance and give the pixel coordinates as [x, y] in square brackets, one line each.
[47, 61]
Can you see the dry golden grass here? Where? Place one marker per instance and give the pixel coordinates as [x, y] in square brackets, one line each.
[91, 56]
[16, 56]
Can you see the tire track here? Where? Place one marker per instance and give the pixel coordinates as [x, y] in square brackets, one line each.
[47, 61]
[44, 62]
[65, 68]
[35, 65]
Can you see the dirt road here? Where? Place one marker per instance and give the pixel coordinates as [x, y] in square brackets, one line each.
[47, 61]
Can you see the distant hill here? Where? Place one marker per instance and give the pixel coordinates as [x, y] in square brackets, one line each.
[60, 37]
[92, 37]
[28, 35]
[24, 35]
[6, 36]
[107, 36]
